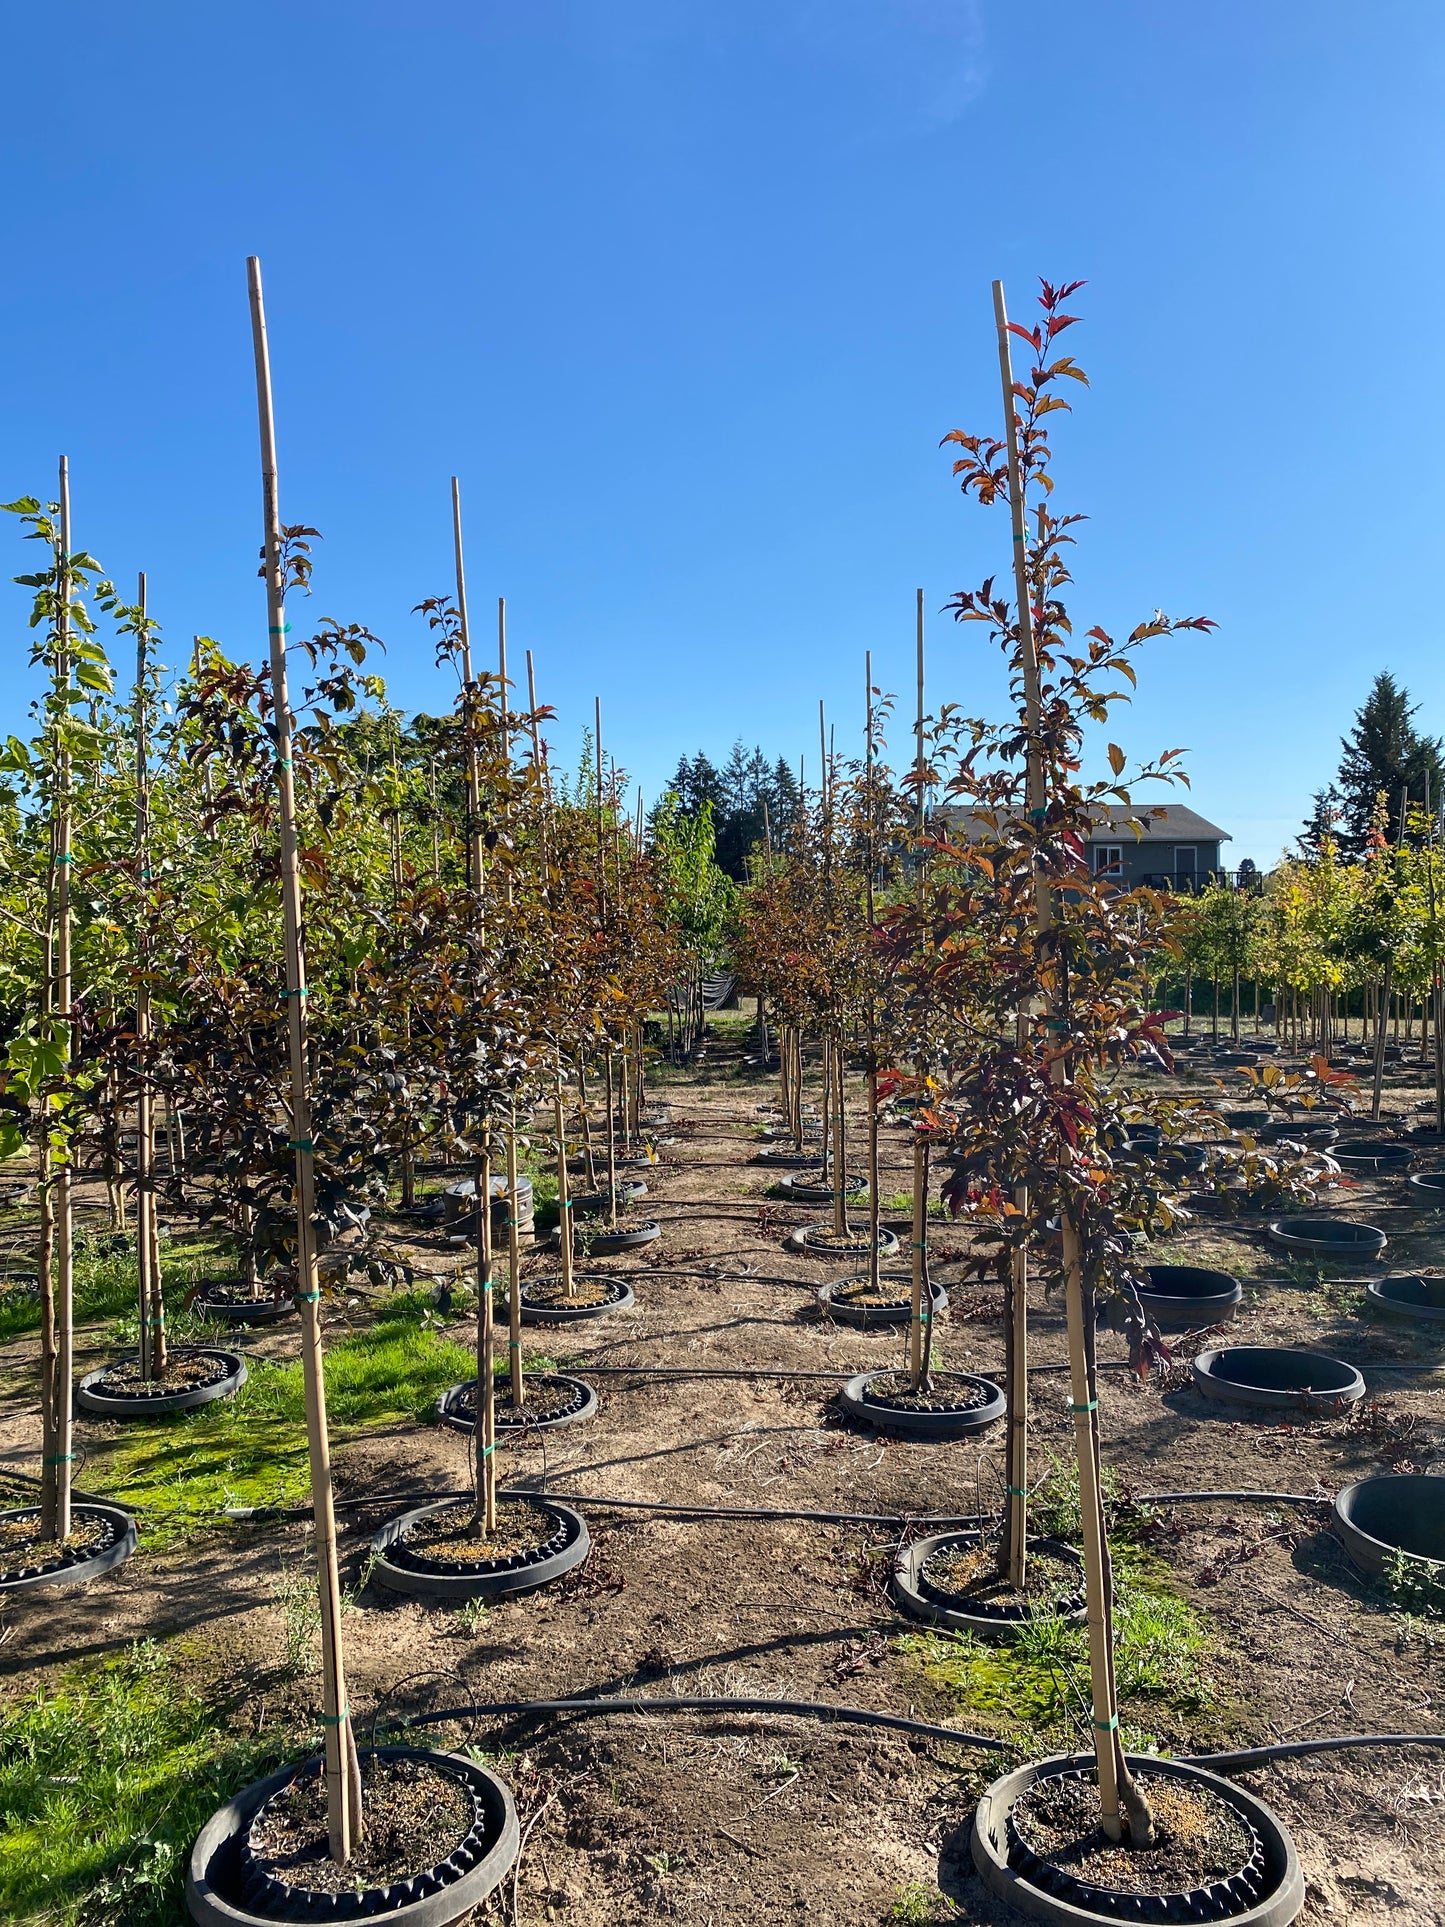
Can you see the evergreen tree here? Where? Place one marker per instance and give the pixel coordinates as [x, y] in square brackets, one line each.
[747, 797]
[1384, 751]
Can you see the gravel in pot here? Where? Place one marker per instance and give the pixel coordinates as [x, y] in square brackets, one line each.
[195, 1375]
[549, 1399]
[440, 1834]
[435, 1553]
[101, 1538]
[1328, 1237]
[1408, 1297]
[1397, 1513]
[855, 1302]
[956, 1404]
[1276, 1378]
[953, 1579]
[1184, 1297]
[594, 1294]
[1219, 1853]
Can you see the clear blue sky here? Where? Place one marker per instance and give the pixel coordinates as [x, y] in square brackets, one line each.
[687, 291]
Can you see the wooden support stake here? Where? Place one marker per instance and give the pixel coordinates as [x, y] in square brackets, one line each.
[343, 1774]
[150, 1298]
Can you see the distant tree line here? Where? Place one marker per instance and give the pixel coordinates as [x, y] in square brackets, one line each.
[749, 797]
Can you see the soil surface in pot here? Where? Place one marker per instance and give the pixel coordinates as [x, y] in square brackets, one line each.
[1199, 1837]
[882, 1297]
[544, 1397]
[948, 1392]
[585, 1291]
[448, 1535]
[22, 1550]
[185, 1372]
[414, 1816]
[235, 1291]
[846, 1241]
[970, 1574]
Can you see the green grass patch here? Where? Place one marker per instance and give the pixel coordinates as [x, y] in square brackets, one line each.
[106, 1283]
[250, 1450]
[105, 1781]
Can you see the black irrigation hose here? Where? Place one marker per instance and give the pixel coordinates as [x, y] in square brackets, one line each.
[1238, 1762]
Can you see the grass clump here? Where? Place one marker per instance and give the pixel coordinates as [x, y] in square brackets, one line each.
[920, 1905]
[104, 1783]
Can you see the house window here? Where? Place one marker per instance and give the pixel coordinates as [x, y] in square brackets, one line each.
[1108, 859]
[1186, 863]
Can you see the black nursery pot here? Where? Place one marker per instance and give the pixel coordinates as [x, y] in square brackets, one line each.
[980, 1404]
[1399, 1512]
[401, 1570]
[834, 1300]
[230, 1375]
[226, 1888]
[552, 1311]
[1183, 1297]
[1370, 1156]
[1427, 1188]
[1276, 1379]
[116, 1543]
[456, 1408]
[1422, 1299]
[1328, 1237]
[233, 1304]
[923, 1598]
[1266, 1891]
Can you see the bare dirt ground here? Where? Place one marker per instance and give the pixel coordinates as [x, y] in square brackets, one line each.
[736, 1821]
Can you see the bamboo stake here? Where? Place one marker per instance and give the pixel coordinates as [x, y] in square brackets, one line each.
[920, 1311]
[870, 858]
[1381, 1026]
[485, 1513]
[514, 1254]
[343, 1773]
[147, 1241]
[1113, 1776]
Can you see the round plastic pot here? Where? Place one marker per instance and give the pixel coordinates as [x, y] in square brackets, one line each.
[1399, 1512]
[1427, 1188]
[452, 1409]
[606, 1243]
[808, 1239]
[459, 1201]
[1037, 1891]
[922, 1425]
[78, 1570]
[565, 1314]
[1236, 1059]
[250, 1311]
[1250, 1120]
[90, 1398]
[627, 1190]
[216, 1874]
[508, 1576]
[1369, 1156]
[1184, 1297]
[1328, 1237]
[782, 1160]
[1422, 1299]
[800, 1191]
[911, 1590]
[875, 1317]
[1274, 1378]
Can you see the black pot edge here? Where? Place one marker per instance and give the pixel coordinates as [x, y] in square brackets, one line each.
[1376, 1300]
[482, 1585]
[93, 1568]
[208, 1908]
[903, 1585]
[886, 1249]
[921, 1425]
[870, 1317]
[1277, 1910]
[1366, 1553]
[99, 1406]
[573, 1314]
[1265, 1398]
[455, 1423]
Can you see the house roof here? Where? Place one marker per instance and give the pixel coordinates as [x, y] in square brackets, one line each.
[1149, 822]
[1160, 823]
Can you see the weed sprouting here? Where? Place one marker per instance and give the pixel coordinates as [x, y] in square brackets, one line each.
[1415, 1587]
[920, 1905]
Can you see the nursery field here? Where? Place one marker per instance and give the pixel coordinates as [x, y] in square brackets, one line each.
[131, 1706]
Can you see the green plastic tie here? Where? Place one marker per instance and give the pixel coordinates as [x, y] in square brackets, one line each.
[336, 1719]
[295, 993]
[280, 628]
[1017, 1491]
[487, 1449]
[1107, 1726]
[1092, 1406]
[306, 1297]
[66, 858]
[299, 1144]
[58, 1458]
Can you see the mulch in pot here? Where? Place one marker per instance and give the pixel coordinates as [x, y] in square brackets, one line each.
[545, 1395]
[1199, 1837]
[24, 1552]
[541, 1292]
[414, 1815]
[448, 1535]
[948, 1392]
[968, 1574]
[185, 1372]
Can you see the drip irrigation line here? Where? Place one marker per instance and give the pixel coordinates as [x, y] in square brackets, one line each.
[826, 1711]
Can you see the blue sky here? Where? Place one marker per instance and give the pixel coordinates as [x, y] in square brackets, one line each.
[687, 291]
